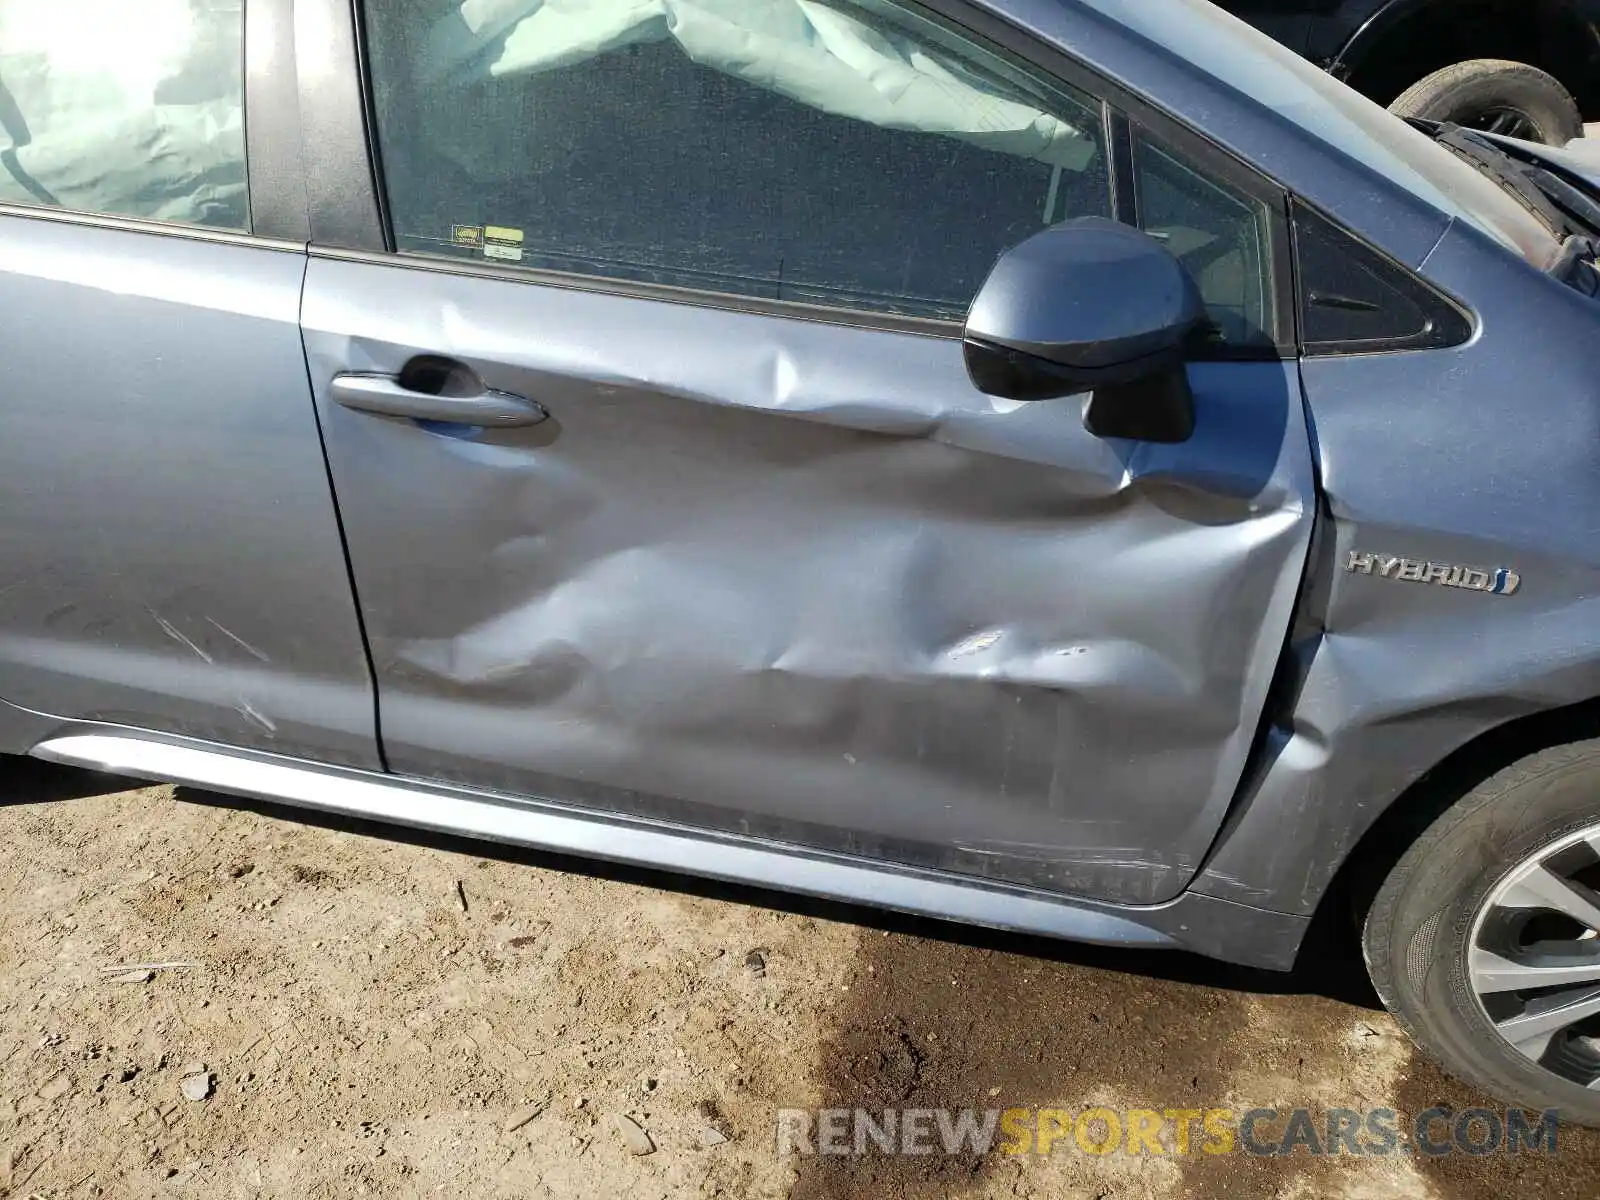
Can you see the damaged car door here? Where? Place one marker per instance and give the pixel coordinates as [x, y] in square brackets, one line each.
[668, 493]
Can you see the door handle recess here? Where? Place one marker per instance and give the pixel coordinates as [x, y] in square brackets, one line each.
[435, 389]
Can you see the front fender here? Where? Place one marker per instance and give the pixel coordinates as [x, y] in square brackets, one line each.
[1485, 456]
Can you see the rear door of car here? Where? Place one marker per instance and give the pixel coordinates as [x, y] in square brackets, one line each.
[169, 551]
[751, 553]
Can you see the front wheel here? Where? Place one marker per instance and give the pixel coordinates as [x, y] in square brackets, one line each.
[1484, 941]
[1497, 96]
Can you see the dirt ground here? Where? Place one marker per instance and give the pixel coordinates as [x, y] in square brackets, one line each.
[375, 1010]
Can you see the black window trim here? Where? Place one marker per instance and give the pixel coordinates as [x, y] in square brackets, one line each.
[349, 221]
[274, 157]
[630, 289]
[338, 158]
[1282, 317]
[1457, 323]
[145, 225]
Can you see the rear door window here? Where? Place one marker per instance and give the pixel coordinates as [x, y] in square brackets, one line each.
[125, 107]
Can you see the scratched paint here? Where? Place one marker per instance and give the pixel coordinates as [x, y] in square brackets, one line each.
[171, 558]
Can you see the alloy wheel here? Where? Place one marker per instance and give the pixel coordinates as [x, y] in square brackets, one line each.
[1534, 957]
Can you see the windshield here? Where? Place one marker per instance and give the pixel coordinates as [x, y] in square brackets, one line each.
[1248, 61]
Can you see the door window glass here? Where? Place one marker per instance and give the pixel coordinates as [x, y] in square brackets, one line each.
[125, 107]
[1219, 234]
[846, 152]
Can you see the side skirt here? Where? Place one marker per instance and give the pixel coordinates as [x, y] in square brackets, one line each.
[1220, 928]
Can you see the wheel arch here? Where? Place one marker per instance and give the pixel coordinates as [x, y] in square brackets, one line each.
[1381, 57]
[1354, 881]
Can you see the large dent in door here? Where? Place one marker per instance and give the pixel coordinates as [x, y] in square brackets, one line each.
[804, 582]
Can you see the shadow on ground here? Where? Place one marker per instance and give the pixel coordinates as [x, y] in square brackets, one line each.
[942, 1016]
[30, 781]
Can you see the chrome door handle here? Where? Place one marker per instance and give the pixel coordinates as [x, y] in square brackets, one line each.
[389, 395]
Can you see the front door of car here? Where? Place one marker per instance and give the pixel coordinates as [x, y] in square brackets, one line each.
[667, 492]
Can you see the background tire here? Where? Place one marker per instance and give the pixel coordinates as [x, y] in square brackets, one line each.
[1422, 923]
[1499, 96]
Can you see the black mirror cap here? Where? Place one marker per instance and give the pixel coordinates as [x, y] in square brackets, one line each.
[1141, 401]
[1083, 304]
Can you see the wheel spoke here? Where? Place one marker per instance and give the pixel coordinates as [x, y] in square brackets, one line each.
[1533, 958]
[1575, 962]
[1541, 888]
[1532, 1030]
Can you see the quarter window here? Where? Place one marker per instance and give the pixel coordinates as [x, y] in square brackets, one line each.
[842, 152]
[123, 108]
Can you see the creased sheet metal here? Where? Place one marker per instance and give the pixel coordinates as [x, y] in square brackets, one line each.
[803, 581]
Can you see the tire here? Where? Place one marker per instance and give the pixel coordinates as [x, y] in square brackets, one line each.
[1441, 900]
[1499, 96]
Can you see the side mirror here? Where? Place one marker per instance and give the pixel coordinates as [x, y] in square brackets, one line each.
[1090, 306]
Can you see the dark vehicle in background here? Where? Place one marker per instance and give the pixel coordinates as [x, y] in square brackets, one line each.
[1523, 68]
